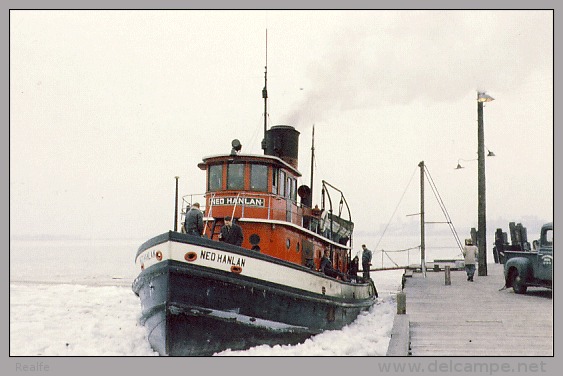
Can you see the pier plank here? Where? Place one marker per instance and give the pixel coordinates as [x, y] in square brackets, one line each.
[477, 318]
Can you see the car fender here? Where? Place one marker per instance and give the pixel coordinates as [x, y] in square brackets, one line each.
[522, 265]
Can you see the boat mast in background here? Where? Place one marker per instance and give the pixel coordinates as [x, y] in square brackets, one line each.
[312, 156]
[265, 95]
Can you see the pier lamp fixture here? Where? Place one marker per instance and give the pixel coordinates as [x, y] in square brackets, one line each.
[459, 166]
[484, 97]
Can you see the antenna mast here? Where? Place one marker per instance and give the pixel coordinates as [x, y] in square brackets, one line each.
[312, 156]
[265, 95]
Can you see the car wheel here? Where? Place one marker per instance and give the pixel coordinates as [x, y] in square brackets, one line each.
[518, 284]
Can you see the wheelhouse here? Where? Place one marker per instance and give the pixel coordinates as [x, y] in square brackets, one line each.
[243, 186]
[261, 193]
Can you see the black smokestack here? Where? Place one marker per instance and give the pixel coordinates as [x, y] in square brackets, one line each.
[282, 141]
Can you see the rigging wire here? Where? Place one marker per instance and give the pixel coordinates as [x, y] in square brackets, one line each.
[444, 209]
[395, 211]
[385, 253]
[442, 206]
[402, 250]
[255, 135]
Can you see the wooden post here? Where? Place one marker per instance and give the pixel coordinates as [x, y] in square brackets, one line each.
[176, 206]
[401, 303]
[422, 231]
[448, 279]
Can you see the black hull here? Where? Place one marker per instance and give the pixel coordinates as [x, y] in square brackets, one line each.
[191, 310]
[177, 332]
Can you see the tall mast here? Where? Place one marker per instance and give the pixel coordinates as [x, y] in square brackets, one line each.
[312, 156]
[265, 95]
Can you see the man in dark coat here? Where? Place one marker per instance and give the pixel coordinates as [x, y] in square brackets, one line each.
[194, 221]
[328, 269]
[366, 262]
[231, 233]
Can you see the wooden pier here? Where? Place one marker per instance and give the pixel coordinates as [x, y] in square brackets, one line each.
[473, 318]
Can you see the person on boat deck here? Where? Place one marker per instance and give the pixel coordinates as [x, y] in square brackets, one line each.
[231, 232]
[194, 221]
[354, 267]
[328, 269]
[470, 254]
[366, 261]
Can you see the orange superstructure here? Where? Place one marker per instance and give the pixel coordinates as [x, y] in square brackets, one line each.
[260, 192]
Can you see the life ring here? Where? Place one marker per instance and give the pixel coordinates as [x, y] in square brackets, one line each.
[236, 269]
[190, 256]
[158, 255]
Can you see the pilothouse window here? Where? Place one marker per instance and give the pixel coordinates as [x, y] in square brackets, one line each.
[215, 177]
[259, 178]
[275, 173]
[282, 184]
[235, 176]
[293, 189]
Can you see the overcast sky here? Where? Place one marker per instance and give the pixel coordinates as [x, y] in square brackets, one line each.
[107, 107]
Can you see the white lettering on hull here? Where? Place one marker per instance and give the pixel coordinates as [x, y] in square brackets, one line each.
[223, 258]
[253, 268]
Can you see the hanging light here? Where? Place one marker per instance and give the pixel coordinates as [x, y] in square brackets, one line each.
[484, 97]
[459, 166]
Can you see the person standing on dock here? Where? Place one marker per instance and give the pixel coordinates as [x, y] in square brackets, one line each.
[366, 262]
[470, 253]
[194, 221]
[231, 232]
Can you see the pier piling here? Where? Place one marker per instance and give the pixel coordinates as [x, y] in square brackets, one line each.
[447, 276]
[401, 303]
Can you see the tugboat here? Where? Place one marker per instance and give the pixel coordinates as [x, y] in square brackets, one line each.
[200, 295]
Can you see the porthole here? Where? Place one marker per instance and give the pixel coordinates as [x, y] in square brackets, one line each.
[297, 247]
[288, 243]
[190, 256]
[254, 239]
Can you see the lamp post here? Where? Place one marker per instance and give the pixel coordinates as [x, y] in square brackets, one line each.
[481, 192]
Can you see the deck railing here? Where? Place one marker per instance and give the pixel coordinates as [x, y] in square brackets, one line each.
[189, 199]
[319, 226]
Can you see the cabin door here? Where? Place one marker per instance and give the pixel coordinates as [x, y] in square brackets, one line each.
[288, 211]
